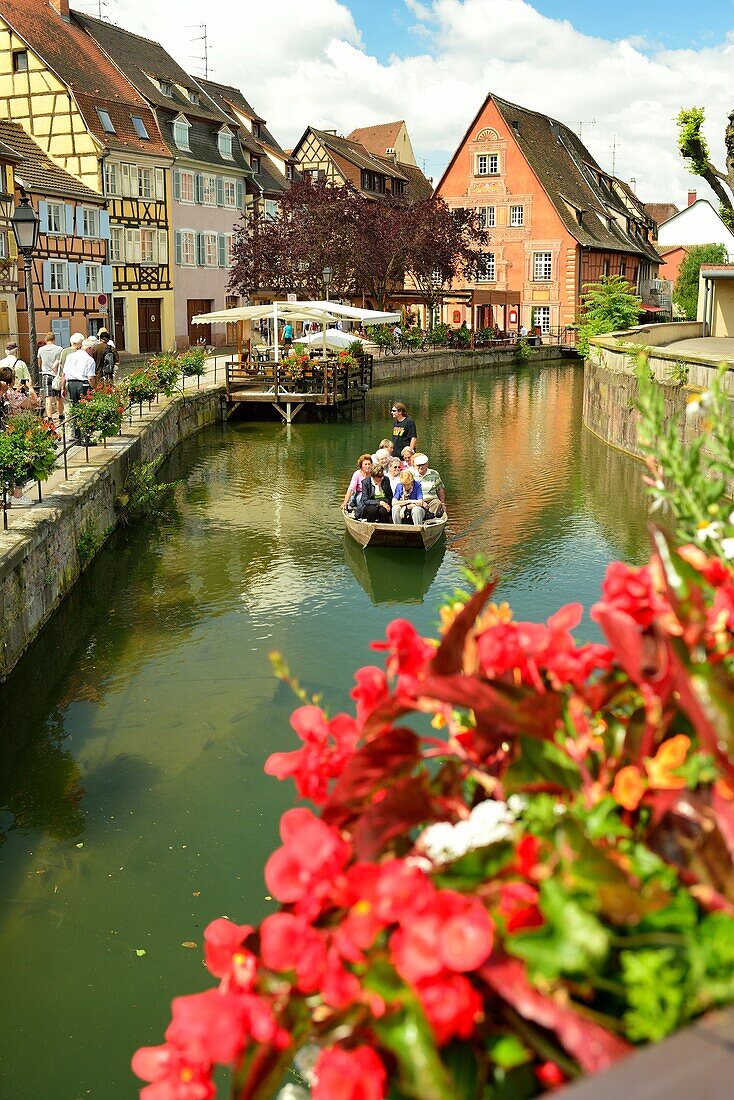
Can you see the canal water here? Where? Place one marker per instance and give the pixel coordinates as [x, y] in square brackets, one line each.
[133, 808]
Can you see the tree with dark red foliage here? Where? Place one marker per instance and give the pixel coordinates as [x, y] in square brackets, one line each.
[444, 245]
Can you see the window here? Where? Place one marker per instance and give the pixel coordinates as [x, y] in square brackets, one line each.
[517, 215]
[91, 278]
[116, 245]
[107, 123]
[148, 242]
[187, 186]
[188, 248]
[140, 127]
[58, 276]
[166, 87]
[230, 193]
[211, 257]
[209, 190]
[20, 61]
[622, 267]
[605, 267]
[541, 318]
[111, 179]
[271, 209]
[90, 223]
[229, 246]
[487, 217]
[3, 247]
[224, 142]
[398, 188]
[193, 95]
[56, 219]
[542, 263]
[145, 183]
[373, 181]
[255, 164]
[256, 129]
[486, 269]
[181, 133]
[289, 172]
[488, 164]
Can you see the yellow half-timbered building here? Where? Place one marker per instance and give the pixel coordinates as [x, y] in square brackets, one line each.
[8, 251]
[82, 112]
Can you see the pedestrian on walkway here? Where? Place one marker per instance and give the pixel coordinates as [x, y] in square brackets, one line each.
[78, 373]
[19, 366]
[105, 356]
[48, 358]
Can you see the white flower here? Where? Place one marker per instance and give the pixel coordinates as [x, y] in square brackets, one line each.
[305, 1060]
[727, 548]
[516, 803]
[487, 823]
[438, 842]
[293, 1092]
[490, 821]
[706, 531]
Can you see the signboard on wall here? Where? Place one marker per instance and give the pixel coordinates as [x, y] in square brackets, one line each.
[456, 316]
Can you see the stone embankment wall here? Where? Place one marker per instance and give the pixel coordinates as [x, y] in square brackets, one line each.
[403, 368]
[610, 381]
[39, 554]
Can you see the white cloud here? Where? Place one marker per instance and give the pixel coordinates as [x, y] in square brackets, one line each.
[301, 64]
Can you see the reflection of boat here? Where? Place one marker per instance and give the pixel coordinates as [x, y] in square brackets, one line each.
[398, 535]
[390, 576]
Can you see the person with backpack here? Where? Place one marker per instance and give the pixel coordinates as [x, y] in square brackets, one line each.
[17, 365]
[105, 356]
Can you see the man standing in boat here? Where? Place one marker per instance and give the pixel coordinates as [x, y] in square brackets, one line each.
[404, 431]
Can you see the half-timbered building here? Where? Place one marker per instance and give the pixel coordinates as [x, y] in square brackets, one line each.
[208, 175]
[386, 139]
[72, 280]
[554, 219]
[79, 108]
[8, 252]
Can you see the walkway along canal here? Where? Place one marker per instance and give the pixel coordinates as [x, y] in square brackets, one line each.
[135, 729]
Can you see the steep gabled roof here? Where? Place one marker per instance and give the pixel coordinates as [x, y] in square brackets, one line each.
[581, 192]
[357, 155]
[229, 98]
[377, 139]
[661, 211]
[73, 55]
[40, 175]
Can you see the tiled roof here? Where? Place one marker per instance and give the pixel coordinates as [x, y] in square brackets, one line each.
[203, 142]
[145, 63]
[227, 99]
[232, 95]
[70, 52]
[40, 175]
[377, 139]
[357, 155]
[419, 187]
[661, 211]
[580, 190]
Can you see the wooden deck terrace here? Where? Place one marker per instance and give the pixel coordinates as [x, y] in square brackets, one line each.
[324, 383]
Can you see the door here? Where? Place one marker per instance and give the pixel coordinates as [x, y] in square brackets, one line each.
[149, 324]
[198, 334]
[119, 323]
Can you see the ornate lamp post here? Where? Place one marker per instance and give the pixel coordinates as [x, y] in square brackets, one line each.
[25, 230]
[326, 276]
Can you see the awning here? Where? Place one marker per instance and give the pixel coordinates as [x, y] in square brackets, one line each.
[496, 297]
[653, 309]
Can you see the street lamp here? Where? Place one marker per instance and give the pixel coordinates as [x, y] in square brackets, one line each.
[25, 225]
[327, 275]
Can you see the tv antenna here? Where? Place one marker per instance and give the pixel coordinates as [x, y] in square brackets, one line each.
[614, 154]
[588, 122]
[203, 57]
[100, 5]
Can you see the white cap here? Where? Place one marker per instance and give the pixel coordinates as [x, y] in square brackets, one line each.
[76, 338]
[420, 460]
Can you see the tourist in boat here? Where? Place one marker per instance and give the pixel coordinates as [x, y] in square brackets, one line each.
[354, 492]
[434, 493]
[404, 431]
[384, 448]
[407, 455]
[376, 497]
[408, 500]
[394, 469]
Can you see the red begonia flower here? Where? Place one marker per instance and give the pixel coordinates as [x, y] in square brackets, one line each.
[209, 1026]
[371, 690]
[172, 1074]
[633, 592]
[356, 1074]
[409, 653]
[222, 940]
[327, 746]
[312, 854]
[289, 943]
[526, 855]
[451, 1004]
[550, 1075]
[519, 906]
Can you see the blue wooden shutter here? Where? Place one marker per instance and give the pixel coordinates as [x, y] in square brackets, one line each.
[71, 275]
[69, 220]
[200, 250]
[80, 221]
[178, 247]
[43, 217]
[222, 249]
[240, 196]
[81, 277]
[107, 279]
[198, 187]
[177, 183]
[46, 274]
[104, 225]
[220, 191]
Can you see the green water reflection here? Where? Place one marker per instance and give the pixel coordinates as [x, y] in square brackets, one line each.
[134, 808]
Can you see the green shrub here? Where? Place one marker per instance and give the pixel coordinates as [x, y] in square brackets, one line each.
[166, 368]
[192, 362]
[143, 497]
[27, 448]
[99, 413]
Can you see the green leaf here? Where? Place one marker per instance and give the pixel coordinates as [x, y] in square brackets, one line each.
[462, 1064]
[572, 941]
[515, 1084]
[542, 760]
[507, 1051]
[475, 867]
[602, 821]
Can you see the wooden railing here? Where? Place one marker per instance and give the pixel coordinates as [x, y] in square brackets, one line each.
[326, 382]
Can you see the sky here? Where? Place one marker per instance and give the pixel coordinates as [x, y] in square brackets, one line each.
[618, 73]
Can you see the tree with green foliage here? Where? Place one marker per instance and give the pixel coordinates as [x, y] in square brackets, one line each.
[695, 151]
[608, 306]
[685, 294]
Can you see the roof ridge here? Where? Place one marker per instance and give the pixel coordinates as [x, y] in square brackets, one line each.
[116, 26]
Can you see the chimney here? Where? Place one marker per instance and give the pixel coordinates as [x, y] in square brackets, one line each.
[62, 7]
[691, 197]
[633, 183]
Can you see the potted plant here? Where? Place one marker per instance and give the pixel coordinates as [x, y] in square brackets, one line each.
[99, 413]
[141, 385]
[27, 448]
[295, 363]
[166, 368]
[192, 363]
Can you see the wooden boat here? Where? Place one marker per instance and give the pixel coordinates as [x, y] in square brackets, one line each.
[404, 536]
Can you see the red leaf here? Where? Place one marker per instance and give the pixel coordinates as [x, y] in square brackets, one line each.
[406, 804]
[376, 763]
[450, 653]
[724, 814]
[594, 1048]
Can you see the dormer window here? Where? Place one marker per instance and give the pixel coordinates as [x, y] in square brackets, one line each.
[193, 95]
[107, 123]
[224, 142]
[256, 129]
[181, 129]
[166, 87]
[255, 164]
[140, 127]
